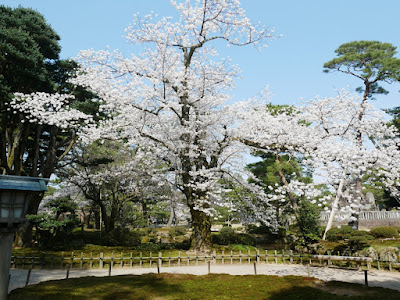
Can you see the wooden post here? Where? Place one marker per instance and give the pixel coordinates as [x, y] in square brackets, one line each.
[214, 257]
[33, 260]
[72, 259]
[291, 256]
[222, 260]
[276, 257]
[16, 260]
[308, 270]
[158, 267]
[62, 259]
[188, 259]
[131, 260]
[42, 259]
[248, 256]
[283, 256]
[101, 260]
[52, 261]
[151, 262]
[66, 276]
[91, 260]
[140, 260]
[179, 258]
[240, 256]
[81, 265]
[28, 276]
[231, 257]
[112, 260]
[160, 259]
[366, 277]
[266, 256]
[169, 259]
[209, 267]
[23, 260]
[329, 260]
[255, 268]
[379, 265]
[122, 259]
[109, 268]
[197, 258]
[390, 266]
[258, 256]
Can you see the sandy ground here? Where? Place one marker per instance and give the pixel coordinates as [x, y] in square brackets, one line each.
[384, 279]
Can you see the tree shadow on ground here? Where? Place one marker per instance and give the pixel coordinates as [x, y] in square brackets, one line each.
[148, 286]
[335, 290]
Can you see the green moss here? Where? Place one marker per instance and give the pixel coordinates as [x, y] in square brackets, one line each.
[214, 286]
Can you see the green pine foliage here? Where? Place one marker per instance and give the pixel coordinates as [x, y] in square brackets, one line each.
[308, 221]
[371, 61]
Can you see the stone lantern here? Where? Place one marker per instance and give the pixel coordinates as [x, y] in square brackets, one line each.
[15, 192]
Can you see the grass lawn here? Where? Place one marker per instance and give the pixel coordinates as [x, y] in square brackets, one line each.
[213, 286]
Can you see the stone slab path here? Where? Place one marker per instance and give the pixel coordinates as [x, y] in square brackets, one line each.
[384, 279]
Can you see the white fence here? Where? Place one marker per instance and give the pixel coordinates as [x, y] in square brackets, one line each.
[365, 215]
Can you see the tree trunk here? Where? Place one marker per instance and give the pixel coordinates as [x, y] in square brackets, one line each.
[96, 212]
[335, 203]
[358, 195]
[105, 218]
[201, 236]
[171, 216]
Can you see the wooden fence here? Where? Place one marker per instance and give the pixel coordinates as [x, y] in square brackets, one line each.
[81, 260]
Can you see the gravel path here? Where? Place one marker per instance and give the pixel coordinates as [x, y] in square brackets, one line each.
[375, 278]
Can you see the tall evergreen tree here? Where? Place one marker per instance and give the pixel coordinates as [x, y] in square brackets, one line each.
[29, 63]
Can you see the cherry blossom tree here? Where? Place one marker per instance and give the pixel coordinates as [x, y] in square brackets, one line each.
[327, 132]
[110, 175]
[170, 100]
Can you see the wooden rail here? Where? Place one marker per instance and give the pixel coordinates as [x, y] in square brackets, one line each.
[81, 260]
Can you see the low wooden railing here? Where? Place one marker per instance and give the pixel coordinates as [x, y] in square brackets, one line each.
[81, 260]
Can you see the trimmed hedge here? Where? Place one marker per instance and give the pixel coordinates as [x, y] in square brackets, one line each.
[384, 232]
[346, 233]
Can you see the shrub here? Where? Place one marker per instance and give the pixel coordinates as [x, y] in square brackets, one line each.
[356, 243]
[50, 232]
[333, 235]
[337, 234]
[346, 233]
[121, 237]
[384, 231]
[149, 230]
[185, 245]
[177, 231]
[369, 237]
[227, 236]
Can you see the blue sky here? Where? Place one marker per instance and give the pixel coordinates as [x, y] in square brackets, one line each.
[291, 65]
